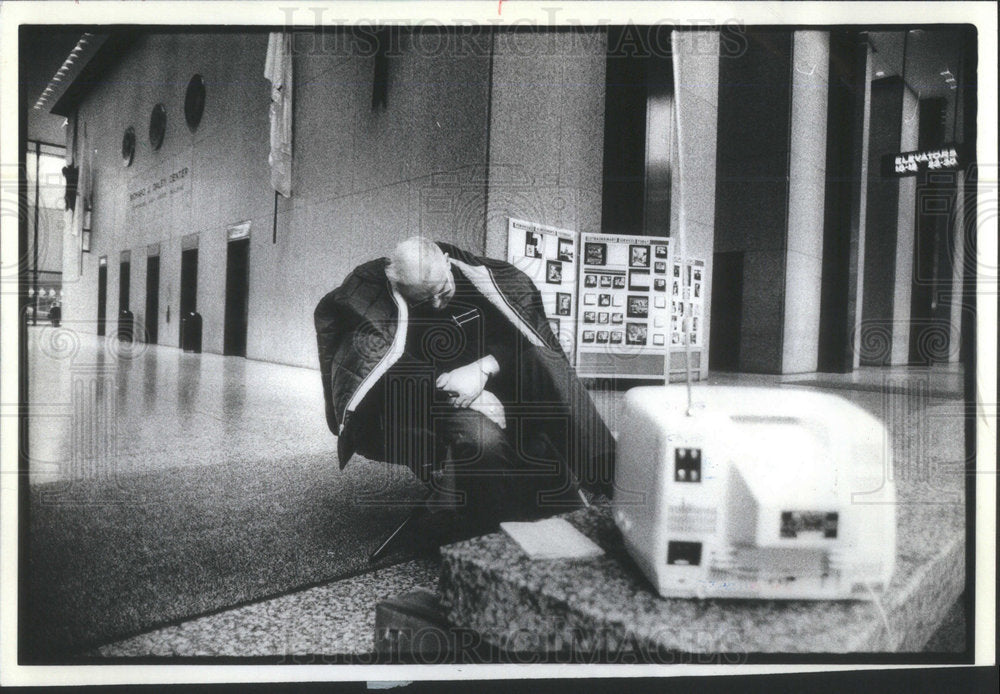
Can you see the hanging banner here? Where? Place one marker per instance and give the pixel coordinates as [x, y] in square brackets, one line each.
[278, 71]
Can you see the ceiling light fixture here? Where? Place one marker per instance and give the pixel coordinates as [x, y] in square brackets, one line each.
[64, 70]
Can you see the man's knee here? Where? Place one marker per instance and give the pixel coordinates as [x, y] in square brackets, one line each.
[473, 438]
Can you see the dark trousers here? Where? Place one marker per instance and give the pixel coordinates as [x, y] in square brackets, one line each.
[487, 473]
[554, 439]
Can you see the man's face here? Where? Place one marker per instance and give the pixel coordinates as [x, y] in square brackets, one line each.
[437, 290]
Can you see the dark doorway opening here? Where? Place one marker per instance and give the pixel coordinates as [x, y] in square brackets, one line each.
[727, 312]
[189, 285]
[126, 321]
[152, 299]
[102, 299]
[124, 285]
[237, 297]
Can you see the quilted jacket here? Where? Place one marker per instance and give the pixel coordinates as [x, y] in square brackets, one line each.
[361, 332]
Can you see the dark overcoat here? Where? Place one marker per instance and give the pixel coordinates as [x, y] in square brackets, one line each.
[361, 333]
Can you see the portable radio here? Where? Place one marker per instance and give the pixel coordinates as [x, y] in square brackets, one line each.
[748, 492]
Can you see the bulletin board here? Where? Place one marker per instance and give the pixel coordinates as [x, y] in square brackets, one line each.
[624, 316]
[687, 300]
[633, 298]
[549, 257]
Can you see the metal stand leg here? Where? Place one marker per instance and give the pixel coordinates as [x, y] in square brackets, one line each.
[415, 514]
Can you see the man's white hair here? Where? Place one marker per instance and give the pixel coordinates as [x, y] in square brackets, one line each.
[413, 262]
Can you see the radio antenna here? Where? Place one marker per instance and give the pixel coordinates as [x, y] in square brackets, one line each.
[682, 222]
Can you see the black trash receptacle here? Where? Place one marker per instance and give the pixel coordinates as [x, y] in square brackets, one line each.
[126, 325]
[191, 332]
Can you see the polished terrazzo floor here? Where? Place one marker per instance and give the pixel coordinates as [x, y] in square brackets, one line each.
[166, 409]
[337, 618]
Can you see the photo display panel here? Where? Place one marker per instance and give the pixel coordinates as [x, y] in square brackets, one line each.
[549, 257]
[687, 299]
[624, 321]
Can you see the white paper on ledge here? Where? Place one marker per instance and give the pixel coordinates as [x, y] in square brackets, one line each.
[552, 538]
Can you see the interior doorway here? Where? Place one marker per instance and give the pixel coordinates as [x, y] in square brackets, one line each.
[102, 298]
[237, 297]
[152, 299]
[124, 285]
[189, 286]
[727, 312]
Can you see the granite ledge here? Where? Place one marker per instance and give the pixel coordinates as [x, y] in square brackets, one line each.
[606, 605]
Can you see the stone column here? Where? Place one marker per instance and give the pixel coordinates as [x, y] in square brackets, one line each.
[859, 207]
[806, 191]
[957, 268]
[905, 234]
[698, 104]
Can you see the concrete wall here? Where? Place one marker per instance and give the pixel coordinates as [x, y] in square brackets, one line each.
[546, 132]
[806, 192]
[362, 179]
[451, 155]
[225, 159]
[365, 179]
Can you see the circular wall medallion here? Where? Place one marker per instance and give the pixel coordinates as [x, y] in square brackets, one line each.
[157, 125]
[194, 101]
[128, 146]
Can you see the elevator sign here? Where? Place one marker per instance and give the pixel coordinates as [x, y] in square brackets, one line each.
[944, 158]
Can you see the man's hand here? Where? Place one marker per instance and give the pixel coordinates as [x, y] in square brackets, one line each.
[467, 382]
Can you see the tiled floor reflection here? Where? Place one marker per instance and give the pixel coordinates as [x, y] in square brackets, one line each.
[99, 407]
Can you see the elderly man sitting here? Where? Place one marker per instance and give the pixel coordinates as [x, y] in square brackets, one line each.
[444, 361]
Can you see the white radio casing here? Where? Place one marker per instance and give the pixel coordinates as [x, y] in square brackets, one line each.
[775, 493]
